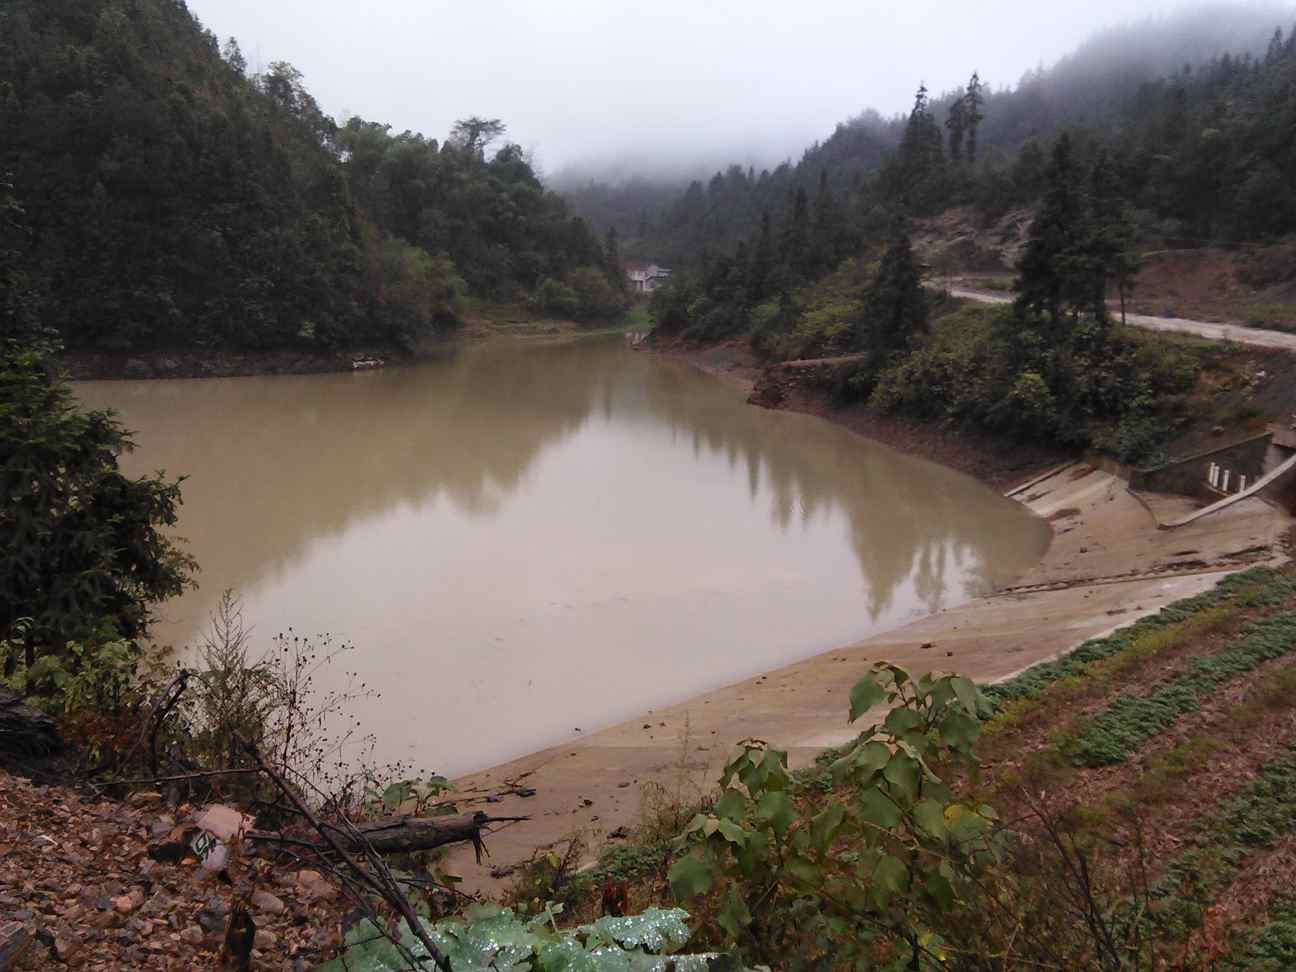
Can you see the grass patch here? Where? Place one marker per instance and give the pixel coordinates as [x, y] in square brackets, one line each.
[1164, 774]
[1257, 817]
[1001, 285]
[1131, 720]
[1257, 587]
[1271, 948]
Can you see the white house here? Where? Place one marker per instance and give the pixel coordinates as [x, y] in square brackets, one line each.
[646, 277]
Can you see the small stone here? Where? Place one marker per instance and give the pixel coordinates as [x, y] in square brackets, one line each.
[212, 919]
[64, 949]
[193, 935]
[267, 902]
[311, 885]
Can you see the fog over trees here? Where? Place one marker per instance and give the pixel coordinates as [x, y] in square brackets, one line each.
[1091, 84]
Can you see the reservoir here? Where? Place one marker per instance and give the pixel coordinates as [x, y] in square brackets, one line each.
[524, 542]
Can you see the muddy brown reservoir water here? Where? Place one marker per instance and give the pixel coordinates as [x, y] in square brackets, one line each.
[526, 541]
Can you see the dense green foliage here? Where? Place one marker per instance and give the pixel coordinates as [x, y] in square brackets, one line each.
[173, 200]
[489, 937]
[1258, 815]
[82, 553]
[1196, 109]
[982, 368]
[493, 218]
[1273, 948]
[866, 875]
[1050, 369]
[1131, 719]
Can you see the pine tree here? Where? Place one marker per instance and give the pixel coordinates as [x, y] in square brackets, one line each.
[826, 229]
[233, 55]
[794, 246]
[921, 155]
[18, 300]
[896, 307]
[762, 263]
[612, 257]
[973, 102]
[956, 123]
[1276, 47]
[1114, 235]
[1056, 276]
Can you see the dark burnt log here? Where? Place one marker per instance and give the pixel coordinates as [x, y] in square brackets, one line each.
[26, 733]
[404, 835]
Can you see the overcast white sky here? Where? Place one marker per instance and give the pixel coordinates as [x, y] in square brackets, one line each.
[615, 81]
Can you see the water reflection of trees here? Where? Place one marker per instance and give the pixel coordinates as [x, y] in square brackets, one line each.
[281, 463]
[909, 519]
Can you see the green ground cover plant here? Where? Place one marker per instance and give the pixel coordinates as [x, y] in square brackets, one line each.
[1131, 720]
[1257, 587]
[1256, 817]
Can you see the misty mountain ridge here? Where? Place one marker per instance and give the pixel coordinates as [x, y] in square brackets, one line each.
[1095, 87]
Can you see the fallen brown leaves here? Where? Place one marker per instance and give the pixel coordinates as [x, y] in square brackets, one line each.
[78, 877]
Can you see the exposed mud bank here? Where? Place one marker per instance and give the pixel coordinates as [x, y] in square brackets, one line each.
[996, 463]
[104, 365]
[1107, 566]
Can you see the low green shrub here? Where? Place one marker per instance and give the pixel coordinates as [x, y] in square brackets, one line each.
[1131, 720]
[1259, 586]
[1271, 948]
[1257, 816]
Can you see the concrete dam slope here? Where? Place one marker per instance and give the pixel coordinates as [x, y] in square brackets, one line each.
[1107, 566]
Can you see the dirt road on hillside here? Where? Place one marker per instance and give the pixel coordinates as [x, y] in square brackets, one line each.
[1203, 329]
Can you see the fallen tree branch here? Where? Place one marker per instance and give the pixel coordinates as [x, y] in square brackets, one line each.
[163, 701]
[183, 777]
[387, 890]
[403, 835]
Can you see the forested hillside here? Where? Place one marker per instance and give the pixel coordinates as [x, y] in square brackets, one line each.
[1203, 155]
[1197, 109]
[173, 200]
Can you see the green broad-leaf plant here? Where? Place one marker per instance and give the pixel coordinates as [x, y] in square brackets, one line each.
[858, 873]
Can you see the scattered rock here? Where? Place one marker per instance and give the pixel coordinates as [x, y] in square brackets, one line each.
[113, 886]
[65, 950]
[15, 940]
[193, 935]
[210, 921]
[268, 903]
[312, 886]
[265, 939]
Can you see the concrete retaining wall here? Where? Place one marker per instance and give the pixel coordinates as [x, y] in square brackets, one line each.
[1191, 476]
